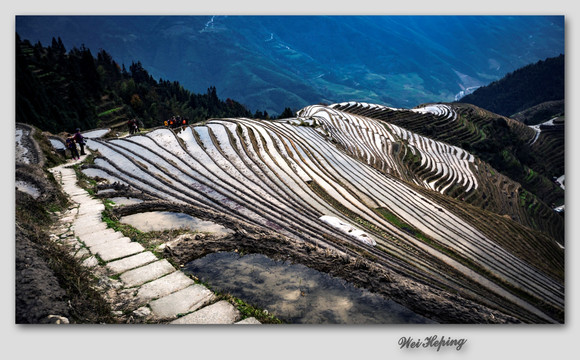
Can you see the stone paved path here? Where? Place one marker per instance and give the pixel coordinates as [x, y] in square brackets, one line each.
[148, 287]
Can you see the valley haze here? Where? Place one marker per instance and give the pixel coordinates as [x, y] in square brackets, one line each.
[272, 62]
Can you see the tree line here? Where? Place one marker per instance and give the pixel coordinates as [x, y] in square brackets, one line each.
[59, 90]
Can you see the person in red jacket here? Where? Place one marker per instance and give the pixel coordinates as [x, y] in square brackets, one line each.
[133, 126]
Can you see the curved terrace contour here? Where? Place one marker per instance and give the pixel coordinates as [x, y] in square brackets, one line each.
[290, 176]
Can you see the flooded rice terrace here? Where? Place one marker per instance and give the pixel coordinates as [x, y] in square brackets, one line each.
[166, 220]
[57, 144]
[125, 200]
[295, 293]
[97, 173]
[27, 188]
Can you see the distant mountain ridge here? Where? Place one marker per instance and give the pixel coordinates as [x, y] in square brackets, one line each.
[522, 89]
[273, 62]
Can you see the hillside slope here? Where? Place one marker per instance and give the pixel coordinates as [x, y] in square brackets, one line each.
[523, 88]
[513, 180]
[354, 185]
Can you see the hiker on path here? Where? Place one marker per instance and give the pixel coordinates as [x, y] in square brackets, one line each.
[79, 139]
[133, 126]
[72, 146]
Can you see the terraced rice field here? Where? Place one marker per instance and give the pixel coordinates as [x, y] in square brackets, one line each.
[463, 124]
[343, 182]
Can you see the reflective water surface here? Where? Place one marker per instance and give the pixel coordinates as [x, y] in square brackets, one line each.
[95, 133]
[27, 188]
[94, 173]
[119, 200]
[57, 144]
[296, 293]
[166, 220]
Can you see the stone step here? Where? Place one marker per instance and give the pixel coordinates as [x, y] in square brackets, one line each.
[75, 192]
[249, 321]
[98, 237]
[83, 253]
[146, 273]
[220, 313]
[163, 286]
[91, 208]
[109, 253]
[82, 198]
[181, 302]
[67, 219]
[88, 219]
[70, 186]
[104, 246]
[87, 203]
[131, 262]
[106, 240]
[90, 262]
[88, 200]
[82, 228]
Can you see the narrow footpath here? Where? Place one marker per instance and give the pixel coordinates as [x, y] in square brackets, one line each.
[135, 281]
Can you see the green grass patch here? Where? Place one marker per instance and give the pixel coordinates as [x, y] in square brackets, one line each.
[392, 218]
[530, 175]
[248, 310]
[110, 111]
[395, 220]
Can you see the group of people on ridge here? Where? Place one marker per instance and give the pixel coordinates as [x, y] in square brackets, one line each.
[175, 121]
[71, 143]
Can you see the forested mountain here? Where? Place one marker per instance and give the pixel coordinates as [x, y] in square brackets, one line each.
[269, 62]
[519, 90]
[59, 90]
